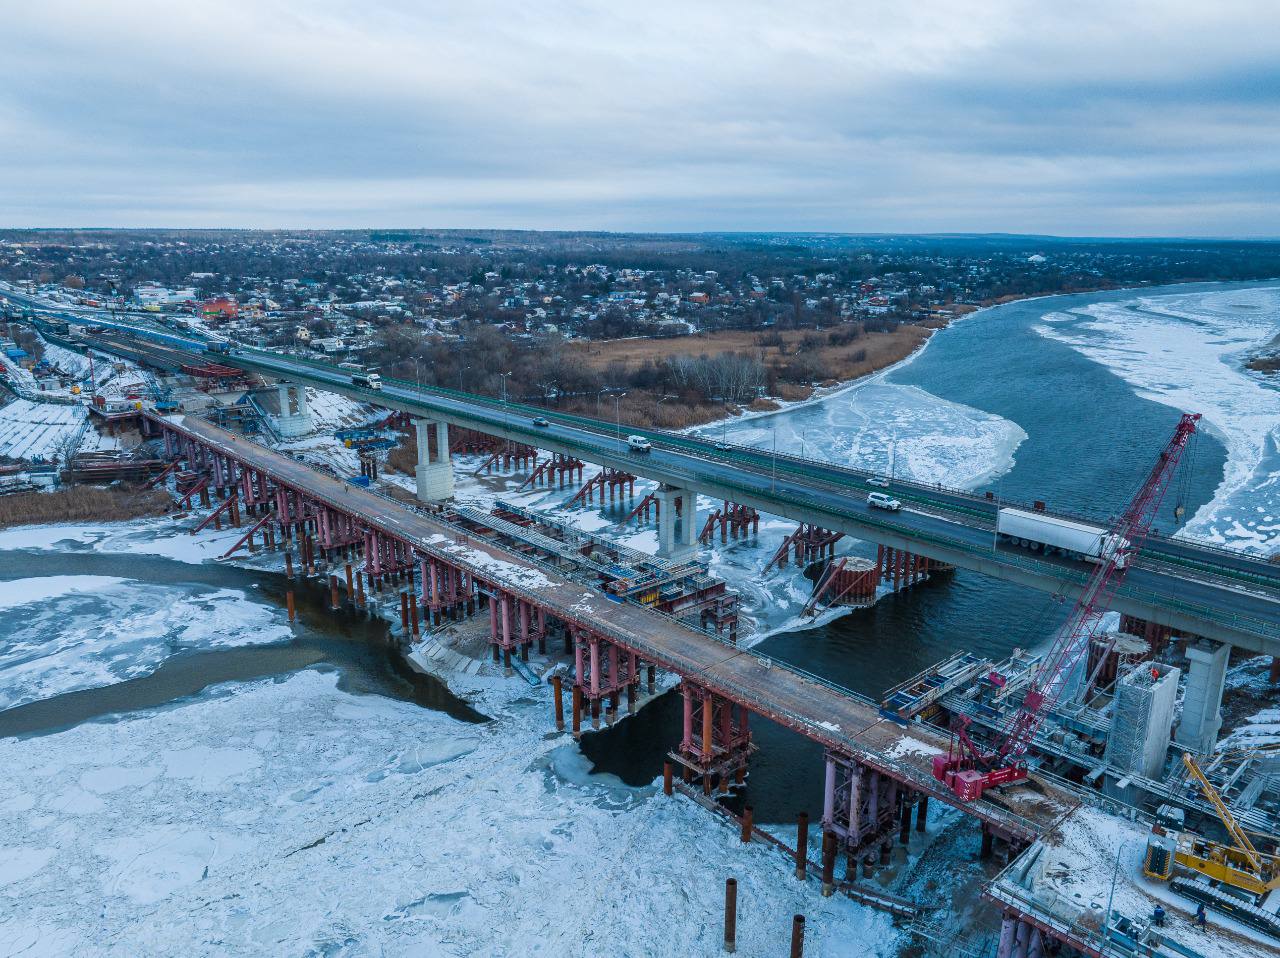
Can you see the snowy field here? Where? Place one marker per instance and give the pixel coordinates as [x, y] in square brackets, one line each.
[1188, 351]
[30, 431]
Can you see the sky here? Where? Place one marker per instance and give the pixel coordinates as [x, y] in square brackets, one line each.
[1087, 119]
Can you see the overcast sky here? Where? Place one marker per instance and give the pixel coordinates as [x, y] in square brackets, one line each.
[1117, 118]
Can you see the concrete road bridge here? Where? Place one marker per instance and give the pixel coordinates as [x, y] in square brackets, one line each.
[1193, 588]
[1219, 598]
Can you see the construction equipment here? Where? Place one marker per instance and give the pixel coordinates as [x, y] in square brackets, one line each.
[1239, 864]
[967, 768]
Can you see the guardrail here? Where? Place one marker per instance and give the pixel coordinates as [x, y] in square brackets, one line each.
[828, 473]
[274, 361]
[1260, 626]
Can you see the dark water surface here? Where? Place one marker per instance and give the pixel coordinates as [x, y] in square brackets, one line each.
[359, 648]
[1090, 442]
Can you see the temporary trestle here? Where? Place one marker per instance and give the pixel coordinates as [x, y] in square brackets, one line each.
[864, 808]
[716, 740]
[470, 442]
[643, 507]
[565, 469]
[731, 519]
[510, 456]
[617, 482]
[325, 521]
[902, 568]
[447, 592]
[807, 544]
[601, 670]
[514, 625]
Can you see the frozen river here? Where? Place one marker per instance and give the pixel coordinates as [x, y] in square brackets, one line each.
[1065, 399]
[189, 773]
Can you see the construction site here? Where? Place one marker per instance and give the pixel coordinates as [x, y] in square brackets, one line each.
[1092, 767]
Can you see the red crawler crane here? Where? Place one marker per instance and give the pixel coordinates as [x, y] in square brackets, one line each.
[966, 768]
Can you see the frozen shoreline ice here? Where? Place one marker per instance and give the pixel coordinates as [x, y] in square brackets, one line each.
[1187, 350]
[235, 824]
[65, 633]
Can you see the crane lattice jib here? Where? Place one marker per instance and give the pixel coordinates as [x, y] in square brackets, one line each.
[1228, 820]
[1130, 532]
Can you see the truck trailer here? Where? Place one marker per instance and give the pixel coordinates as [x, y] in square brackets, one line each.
[1049, 534]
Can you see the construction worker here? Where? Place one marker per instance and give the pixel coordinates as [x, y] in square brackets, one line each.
[1157, 916]
[1202, 919]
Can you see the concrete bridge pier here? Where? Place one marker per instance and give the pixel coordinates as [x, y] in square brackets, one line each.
[1202, 700]
[673, 544]
[434, 470]
[294, 418]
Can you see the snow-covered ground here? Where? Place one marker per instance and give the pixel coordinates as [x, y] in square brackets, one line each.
[66, 632]
[1187, 350]
[31, 431]
[1094, 860]
[288, 817]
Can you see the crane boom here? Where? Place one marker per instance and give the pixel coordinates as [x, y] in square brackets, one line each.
[968, 769]
[1228, 820]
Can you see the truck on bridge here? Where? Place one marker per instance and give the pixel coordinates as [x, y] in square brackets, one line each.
[1033, 530]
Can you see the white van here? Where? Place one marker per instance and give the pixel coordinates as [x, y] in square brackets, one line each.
[639, 444]
[882, 500]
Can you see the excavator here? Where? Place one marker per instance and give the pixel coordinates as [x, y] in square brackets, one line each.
[1234, 878]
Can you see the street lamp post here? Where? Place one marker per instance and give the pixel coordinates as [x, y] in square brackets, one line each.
[773, 484]
[617, 413]
[506, 410]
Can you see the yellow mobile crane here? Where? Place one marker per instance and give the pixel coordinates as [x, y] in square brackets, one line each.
[1239, 866]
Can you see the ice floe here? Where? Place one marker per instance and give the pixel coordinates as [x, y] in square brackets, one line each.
[1188, 350]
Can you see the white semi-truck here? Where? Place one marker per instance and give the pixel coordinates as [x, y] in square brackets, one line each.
[1035, 530]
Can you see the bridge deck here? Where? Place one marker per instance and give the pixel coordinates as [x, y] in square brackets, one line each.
[1197, 590]
[834, 717]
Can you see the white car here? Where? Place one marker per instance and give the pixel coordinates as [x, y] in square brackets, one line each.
[881, 500]
[639, 444]
[880, 481]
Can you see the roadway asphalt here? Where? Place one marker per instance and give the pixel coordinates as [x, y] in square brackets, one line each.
[1251, 606]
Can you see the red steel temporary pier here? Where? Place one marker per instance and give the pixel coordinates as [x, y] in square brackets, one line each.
[619, 484]
[877, 770]
[732, 519]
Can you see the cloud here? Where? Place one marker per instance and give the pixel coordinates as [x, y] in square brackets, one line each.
[856, 116]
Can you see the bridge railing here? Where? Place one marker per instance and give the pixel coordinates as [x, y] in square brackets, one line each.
[825, 472]
[1255, 624]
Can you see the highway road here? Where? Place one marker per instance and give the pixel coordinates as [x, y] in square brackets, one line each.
[1223, 595]
[1193, 587]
